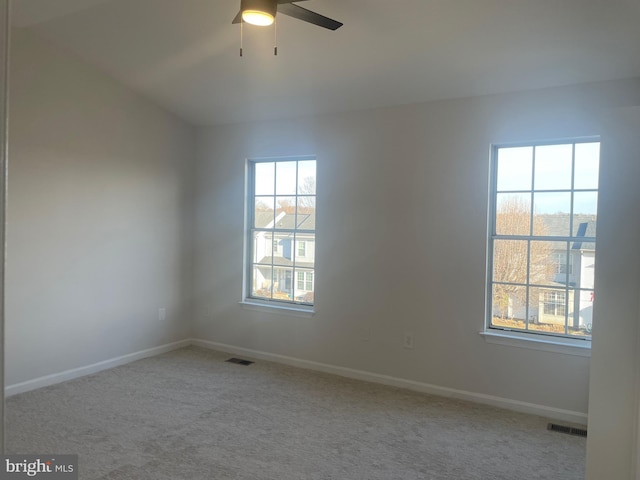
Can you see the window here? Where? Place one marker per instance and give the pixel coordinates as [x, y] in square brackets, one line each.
[305, 281]
[543, 238]
[281, 233]
[554, 303]
[564, 262]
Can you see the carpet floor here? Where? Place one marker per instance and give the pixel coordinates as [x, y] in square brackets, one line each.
[190, 415]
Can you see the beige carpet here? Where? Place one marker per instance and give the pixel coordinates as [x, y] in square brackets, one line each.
[189, 415]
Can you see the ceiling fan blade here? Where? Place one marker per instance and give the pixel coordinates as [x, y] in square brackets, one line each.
[308, 16]
[238, 18]
[290, 1]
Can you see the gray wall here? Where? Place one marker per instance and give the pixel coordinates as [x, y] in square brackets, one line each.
[615, 380]
[4, 73]
[99, 220]
[402, 226]
[101, 235]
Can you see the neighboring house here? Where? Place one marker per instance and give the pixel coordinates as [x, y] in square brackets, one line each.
[290, 258]
[567, 281]
[574, 274]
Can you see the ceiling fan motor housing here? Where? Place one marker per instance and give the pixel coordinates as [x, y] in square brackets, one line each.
[266, 6]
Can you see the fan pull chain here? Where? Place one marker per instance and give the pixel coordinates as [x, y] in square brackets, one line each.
[275, 36]
[241, 22]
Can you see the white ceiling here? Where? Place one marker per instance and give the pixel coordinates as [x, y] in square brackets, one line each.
[183, 54]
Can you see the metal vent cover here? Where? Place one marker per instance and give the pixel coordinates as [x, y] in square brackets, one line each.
[239, 361]
[580, 432]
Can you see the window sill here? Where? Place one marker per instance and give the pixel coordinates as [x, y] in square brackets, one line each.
[581, 348]
[293, 311]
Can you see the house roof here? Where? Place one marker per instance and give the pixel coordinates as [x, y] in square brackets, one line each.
[282, 262]
[305, 221]
[584, 225]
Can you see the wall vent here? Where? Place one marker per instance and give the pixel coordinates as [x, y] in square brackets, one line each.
[239, 361]
[579, 432]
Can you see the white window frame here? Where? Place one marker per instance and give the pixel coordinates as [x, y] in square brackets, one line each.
[580, 346]
[293, 307]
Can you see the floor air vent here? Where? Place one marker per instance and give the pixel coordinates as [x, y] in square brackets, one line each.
[580, 432]
[239, 361]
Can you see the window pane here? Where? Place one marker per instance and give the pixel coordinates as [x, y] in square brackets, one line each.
[285, 212]
[261, 281]
[583, 317]
[587, 165]
[586, 265]
[563, 262]
[551, 214]
[307, 178]
[286, 178]
[262, 247]
[514, 168]
[534, 307]
[552, 310]
[553, 167]
[282, 283]
[304, 286]
[283, 255]
[308, 258]
[263, 213]
[513, 215]
[307, 204]
[543, 264]
[264, 178]
[509, 306]
[306, 219]
[510, 261]
[584, 226]
[585, 203]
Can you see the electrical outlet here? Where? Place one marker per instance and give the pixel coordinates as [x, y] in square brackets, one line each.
[407, 341]
[162, 314]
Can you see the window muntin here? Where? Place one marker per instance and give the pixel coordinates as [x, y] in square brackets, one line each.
[543, 238]
[281, 237]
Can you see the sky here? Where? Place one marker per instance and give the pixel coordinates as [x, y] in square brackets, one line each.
[549, 169]
[280, 177]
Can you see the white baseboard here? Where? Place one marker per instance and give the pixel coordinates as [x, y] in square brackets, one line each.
[93, 368]
[515, 405]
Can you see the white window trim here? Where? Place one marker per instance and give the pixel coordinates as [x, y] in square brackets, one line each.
[527, 339]
[278, 309]
[545, 343]
[254, 304]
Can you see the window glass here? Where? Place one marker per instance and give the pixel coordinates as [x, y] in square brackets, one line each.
[543, 243]
[281, 263]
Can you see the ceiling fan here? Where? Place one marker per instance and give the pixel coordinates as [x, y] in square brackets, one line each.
[263, 12]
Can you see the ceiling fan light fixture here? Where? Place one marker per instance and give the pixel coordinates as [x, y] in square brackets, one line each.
[257, 17]
[258, 12]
